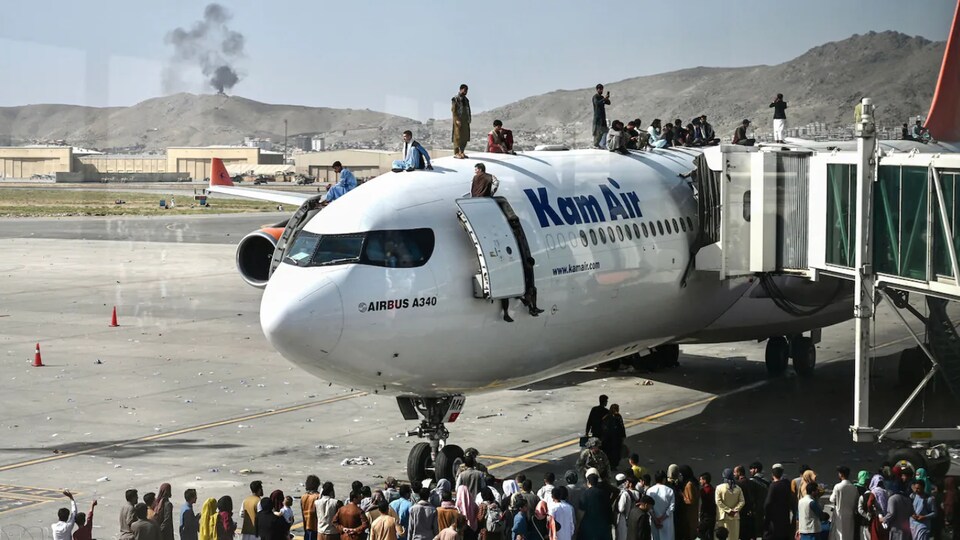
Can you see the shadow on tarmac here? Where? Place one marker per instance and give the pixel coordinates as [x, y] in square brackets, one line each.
[125, 449]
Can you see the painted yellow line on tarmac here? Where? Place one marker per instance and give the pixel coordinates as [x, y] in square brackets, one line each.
[183, 431]
[505, 458]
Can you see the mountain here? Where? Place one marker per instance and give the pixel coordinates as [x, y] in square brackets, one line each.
[188, 120]
[898, 71]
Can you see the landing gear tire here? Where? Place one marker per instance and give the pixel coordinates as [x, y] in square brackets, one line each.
[908, 457]
[777, 356]
[418, 463]
[669, 355]
[804, 354]
[448, 461]
[912, 367]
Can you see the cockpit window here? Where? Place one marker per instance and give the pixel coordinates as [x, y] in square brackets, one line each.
[393, 249]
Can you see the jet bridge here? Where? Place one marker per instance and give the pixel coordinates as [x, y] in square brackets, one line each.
[882, 214]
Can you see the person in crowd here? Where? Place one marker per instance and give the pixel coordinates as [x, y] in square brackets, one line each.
[614, 434]
[626, 501]
[325, 509]
[919, 133]
[905, 132]
[778, 508]
[925, 511]
[470, 476]
[635, 466]
[730, 501]
[401, 508]
[500, 140]
[632, 134]
[144, 528]
[707, 134]
[740, 134]
[248, 511]
[126, 514]
[150, 499]
[690, 501]
[526, 491]
[925, 478]
[592, 457]
[189, 520]
[667, 135]
[573, 494]
[806, 478]
[85, 524]
[708, 508]
[372, 508]
[415, 156]
[595, 418]
[349, 520]
[473, 452]
[779, 118]
[287, 512]
[617, 138]
[544, 493]
[436, 496]
[600, 102]
[758, 486]
[346, 181]
[423, 524]
[208, 520]
[447, 512]
[521, 523]
[679, 133]
[542, 524]
[844, 498]
[482, 184]
[390, 490]
[664, 506]
[386, 526]
[862, 521]
[226, 526]
[467, 506]
[810, 515]
[597, 510]
[673, 482]
[460, 111]
[308, 508]
[746, 516]
[269, 525]
[66, 520]
[645, 526]
[899, 511]
[872, 506]
[163, 511]
[490, 517]
[655, 137]
[563, 515]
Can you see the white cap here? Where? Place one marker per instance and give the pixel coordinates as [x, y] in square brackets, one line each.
[592, 470]
[426, 483]
[621, 478]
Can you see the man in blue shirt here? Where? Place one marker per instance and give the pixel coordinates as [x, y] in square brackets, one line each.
[346, 183]
[189, 520]
[402, 507]
[520, 521]
[415, 156]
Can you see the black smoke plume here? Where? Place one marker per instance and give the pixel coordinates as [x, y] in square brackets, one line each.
[210, 45]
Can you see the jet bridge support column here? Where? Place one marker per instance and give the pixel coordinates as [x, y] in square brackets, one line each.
[864, 282]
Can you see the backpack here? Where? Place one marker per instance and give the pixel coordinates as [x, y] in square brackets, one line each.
[494, 518]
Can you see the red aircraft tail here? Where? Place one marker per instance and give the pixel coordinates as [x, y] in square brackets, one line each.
[218, 174]
[943, 120]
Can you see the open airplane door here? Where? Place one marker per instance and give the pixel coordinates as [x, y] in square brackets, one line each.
[501, 263]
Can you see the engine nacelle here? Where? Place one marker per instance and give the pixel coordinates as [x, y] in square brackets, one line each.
[255, 253]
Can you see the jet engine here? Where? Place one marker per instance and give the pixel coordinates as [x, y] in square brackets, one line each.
[255, 253]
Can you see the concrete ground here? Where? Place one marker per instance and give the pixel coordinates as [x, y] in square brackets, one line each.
[187, 391]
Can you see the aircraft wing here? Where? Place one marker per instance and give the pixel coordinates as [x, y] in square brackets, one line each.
[282, 197]
[220, 182]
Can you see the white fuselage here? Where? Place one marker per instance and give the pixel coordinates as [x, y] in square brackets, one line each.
[420, 331]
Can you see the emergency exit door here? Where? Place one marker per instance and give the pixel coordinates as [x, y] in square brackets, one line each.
[501, 261]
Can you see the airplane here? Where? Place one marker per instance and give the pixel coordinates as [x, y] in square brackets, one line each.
[399, 286]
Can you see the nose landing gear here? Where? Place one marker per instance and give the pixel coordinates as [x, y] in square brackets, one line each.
[434, 458]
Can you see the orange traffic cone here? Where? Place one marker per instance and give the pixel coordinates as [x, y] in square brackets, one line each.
[113, 320]
[37, 361]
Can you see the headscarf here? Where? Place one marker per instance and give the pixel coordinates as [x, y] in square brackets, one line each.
[208, 520]
[673, 472]
[862, 478]
[225, 504]
[927, 484]
[163, 497]
[809, 477]
[686, 475]
[881, 494]
[466, 506]
[276, 498]
[728, 477]
[509, 488]
[542, 511]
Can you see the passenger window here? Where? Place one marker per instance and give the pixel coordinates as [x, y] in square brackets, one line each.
[620, 233]
[683, 225]
[626, 230]
[636, 231]
[690, 223]
[660, 226]
[603, 237]
[593, 236]
[666, 225]
[644, 225]
[653, 230]
[583, 239]
[675, 228]
[573, 241]
[612, 237]
[551, 244]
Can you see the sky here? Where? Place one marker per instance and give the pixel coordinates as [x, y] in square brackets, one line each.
[408, 58]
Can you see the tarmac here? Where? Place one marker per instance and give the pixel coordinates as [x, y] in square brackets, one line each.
[186, 390]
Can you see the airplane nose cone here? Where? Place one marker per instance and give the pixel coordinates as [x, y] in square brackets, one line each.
[302, 315]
